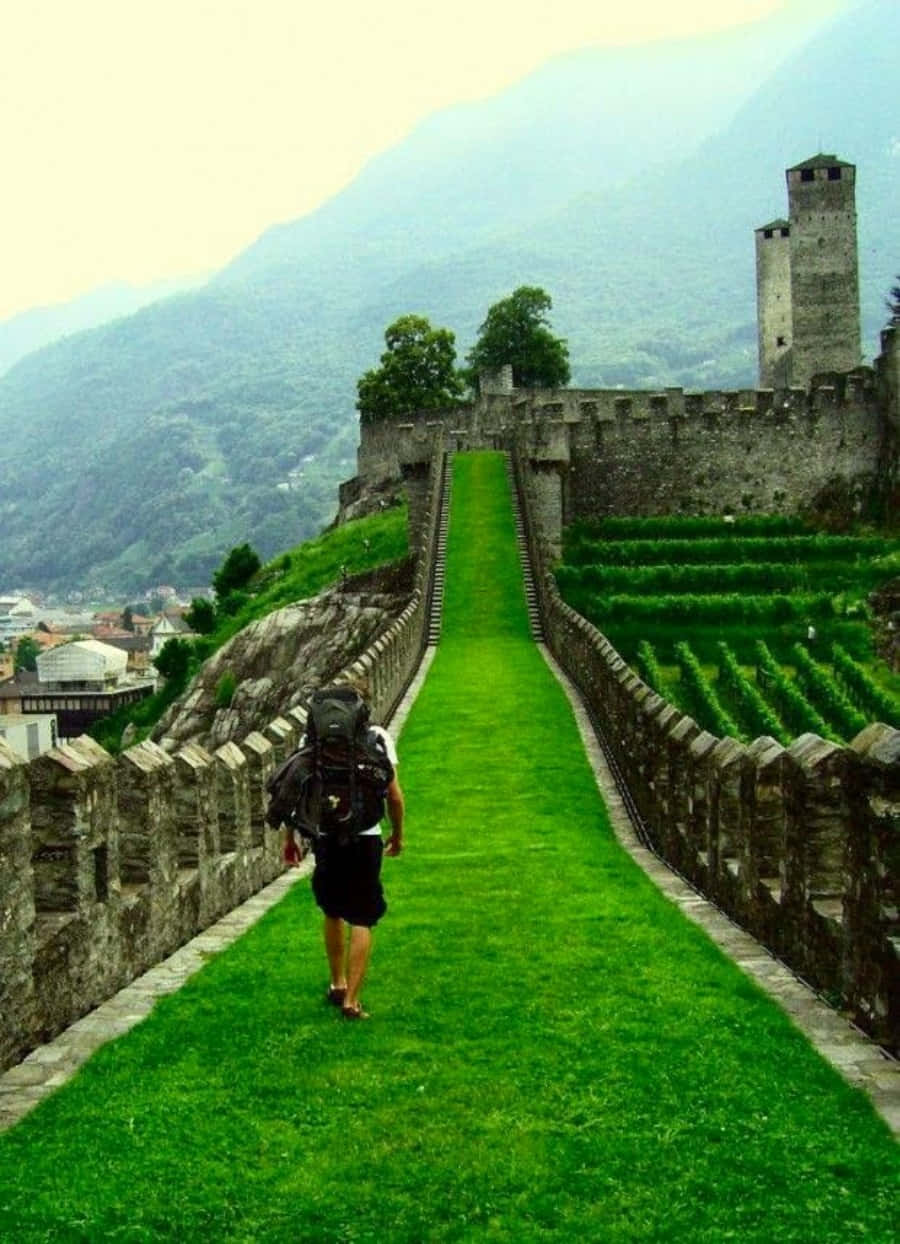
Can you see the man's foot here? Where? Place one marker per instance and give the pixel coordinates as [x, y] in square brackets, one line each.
[336, 994]
[354, 1011]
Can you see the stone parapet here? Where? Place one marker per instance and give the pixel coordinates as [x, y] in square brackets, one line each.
[799, 845]
[107, 865]
[597, 452]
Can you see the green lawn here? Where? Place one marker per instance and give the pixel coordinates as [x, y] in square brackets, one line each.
[555, 1053]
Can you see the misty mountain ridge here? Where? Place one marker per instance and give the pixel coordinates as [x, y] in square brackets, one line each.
[37, 327]
[140, 452]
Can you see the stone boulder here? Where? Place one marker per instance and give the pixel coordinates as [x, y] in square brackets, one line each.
[274, 663]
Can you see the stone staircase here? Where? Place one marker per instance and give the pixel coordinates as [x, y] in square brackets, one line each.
[531, 600]
[436, 607]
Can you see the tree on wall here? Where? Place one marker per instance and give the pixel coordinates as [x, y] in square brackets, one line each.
[417, 372]
[892, 302]
[517, 331]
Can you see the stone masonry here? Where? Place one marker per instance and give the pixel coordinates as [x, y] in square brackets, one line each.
[108, 865]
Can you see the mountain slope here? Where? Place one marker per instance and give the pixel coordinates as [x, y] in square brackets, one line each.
[32, 330]
[141, 452]
[654, 282]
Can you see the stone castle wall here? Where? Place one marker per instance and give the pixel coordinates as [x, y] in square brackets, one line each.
[600, 452]
[108, 864]
[710, 453]
[798, 845]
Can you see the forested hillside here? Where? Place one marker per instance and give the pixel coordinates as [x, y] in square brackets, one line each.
[627, 184]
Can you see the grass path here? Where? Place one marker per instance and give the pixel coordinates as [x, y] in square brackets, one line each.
[554, 1054]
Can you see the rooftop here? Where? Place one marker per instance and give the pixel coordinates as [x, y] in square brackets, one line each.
[821, 161]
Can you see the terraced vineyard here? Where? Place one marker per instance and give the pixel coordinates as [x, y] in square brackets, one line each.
[756, 626]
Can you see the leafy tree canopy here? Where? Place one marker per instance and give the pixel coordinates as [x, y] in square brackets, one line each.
[417, 372]
[174, 660]
[27, 652]
[517, 331]
[236, 571]
[201, 617]
[893, 303]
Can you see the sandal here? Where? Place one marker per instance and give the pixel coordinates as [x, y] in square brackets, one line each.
[354, 1011]
[336, 994]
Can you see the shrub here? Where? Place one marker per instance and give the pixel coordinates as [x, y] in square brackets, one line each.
[225, 689]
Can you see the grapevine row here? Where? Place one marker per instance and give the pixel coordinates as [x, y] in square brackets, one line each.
[648, 666]
[728, 576]
[662, 527]
[716, 719]
[792, 705]
[775, 549]
[872, 699]
[755, 710]
[730, 607]
[821, 687]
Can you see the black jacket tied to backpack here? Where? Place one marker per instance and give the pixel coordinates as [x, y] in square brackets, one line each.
[335, 784]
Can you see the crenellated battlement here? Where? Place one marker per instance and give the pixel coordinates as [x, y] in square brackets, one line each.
[796, 844]
[672, 451]
[111, 863]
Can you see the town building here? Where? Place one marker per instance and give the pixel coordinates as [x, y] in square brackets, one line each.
[29, 736]
[79, 683]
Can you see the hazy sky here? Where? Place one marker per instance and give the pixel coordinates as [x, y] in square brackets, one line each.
[156, 139]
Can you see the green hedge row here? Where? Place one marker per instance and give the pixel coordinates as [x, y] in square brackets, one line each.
[672, 527]
[648, 667]
[726, 551]
[726, 577]
[725, 608]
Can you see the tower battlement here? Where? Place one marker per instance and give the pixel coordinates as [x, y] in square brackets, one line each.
[807, 277]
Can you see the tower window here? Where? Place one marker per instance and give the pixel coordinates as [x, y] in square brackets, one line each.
[807, 174]
[767, 233]
[779, 341]
[834, 173]
[785, 233]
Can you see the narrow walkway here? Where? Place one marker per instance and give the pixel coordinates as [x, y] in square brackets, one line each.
[555, 1052]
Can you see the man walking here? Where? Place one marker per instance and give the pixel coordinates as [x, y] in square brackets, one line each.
[346, 884]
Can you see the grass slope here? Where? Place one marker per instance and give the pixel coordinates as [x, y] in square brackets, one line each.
[303, 571]
[554, 1054]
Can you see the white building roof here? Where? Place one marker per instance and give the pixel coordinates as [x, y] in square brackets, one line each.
[84, 660]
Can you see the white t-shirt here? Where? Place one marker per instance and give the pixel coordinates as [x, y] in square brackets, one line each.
[391, 749]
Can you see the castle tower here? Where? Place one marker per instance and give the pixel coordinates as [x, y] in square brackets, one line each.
[773, 304]
[807, 277]
[824, 267]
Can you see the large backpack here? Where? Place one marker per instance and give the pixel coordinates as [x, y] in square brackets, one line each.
[334, 784]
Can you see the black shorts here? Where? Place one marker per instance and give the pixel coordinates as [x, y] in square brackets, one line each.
[346, 881]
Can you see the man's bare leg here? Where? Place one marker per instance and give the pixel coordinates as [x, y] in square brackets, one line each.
[358, 961]
[334, 948]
